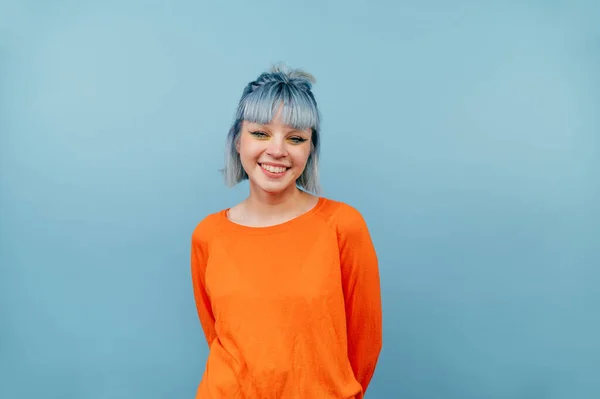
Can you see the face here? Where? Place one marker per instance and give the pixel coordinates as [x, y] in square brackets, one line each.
[273, 155]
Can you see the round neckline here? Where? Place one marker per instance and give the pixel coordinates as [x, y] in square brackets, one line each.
[274, 227]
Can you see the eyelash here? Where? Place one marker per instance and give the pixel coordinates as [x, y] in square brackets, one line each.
[295, 139]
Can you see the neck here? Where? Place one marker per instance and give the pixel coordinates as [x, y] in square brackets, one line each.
[266, 204]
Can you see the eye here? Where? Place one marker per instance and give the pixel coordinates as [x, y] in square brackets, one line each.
[259, 134]
[297, 140]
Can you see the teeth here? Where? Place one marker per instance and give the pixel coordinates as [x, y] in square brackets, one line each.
[273, 169]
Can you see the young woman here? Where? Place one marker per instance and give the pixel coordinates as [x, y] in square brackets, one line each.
[286, 283]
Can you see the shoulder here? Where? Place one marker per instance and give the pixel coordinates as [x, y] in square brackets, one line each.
[353, 235]
[207, 227]
[344, 218]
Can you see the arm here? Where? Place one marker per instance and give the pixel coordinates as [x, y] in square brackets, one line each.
[361, 285]
[199, 256]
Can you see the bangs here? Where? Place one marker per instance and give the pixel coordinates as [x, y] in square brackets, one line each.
[299, 109]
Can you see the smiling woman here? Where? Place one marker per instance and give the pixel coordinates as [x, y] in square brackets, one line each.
[304, 321]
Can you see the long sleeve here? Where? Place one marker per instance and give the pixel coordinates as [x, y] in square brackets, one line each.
[362, 294]
[198, 270]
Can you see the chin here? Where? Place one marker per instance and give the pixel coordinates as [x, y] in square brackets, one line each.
[273, 187]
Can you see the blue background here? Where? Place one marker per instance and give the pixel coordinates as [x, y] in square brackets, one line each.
[468, 134]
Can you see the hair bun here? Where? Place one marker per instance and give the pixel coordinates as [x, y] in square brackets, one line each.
[280, 73]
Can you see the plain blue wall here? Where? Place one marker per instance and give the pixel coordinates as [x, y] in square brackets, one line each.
[467, 134]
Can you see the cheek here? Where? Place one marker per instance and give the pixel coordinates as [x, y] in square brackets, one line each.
[301, 157]
[249, 149]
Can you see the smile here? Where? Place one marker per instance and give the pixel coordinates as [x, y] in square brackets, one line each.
[273, 169]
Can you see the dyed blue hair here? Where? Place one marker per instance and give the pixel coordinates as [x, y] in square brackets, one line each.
[260, 101]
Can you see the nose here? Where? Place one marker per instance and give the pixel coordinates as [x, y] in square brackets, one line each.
[276, 149]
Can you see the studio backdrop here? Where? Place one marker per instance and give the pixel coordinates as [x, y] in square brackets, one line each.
[467, 133]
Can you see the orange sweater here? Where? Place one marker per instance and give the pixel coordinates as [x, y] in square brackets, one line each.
[288, 311]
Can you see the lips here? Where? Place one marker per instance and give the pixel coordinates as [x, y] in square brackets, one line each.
[273, 168]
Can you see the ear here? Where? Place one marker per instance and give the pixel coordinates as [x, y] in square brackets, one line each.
[237, 144]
